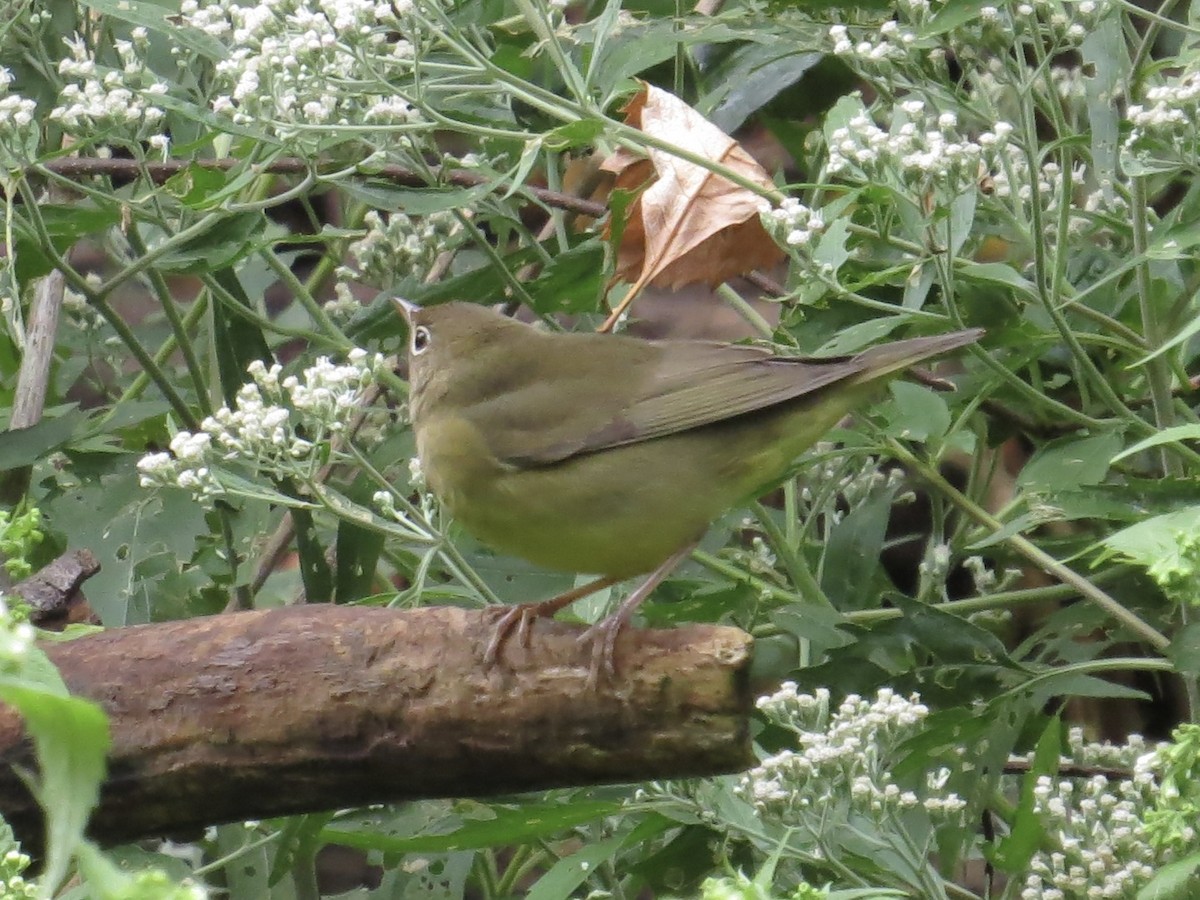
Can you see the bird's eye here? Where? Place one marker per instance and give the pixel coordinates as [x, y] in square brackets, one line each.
[420, 340]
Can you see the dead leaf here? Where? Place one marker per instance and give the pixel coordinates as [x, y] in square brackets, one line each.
[688, 225]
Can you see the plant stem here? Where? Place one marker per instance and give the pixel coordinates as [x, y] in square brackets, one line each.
[1030, 551]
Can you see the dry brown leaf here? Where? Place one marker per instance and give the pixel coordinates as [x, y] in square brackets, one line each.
[689, 225]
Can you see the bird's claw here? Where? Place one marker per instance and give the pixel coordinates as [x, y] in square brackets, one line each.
[603, 638]
[519, 617]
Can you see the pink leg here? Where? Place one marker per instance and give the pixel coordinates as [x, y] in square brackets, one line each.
[603, 634]
[522, 615]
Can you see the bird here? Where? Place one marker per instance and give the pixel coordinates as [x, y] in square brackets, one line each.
[609, 454]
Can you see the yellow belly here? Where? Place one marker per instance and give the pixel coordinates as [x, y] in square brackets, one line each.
[619, 511]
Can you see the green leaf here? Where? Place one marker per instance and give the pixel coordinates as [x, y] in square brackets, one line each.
[501, 826]
[851, 559]
[953, 14]
[1170, 435]
[1184, 651]
[1013, 527]
[999, 274]
[823, 626]
[748, 79]
[831, 248]
[862, 334]
[572, 281]
[1106, 58]
[962, 217]
[299, 838]
[568, 873]
[26, 446]
[580, 133]
[157, 18]
[1015, 850]
[123, 525]
[916, 413]
[1173, 881]
[918, 284]
[950, 638]
[1153, 541]
[70, 739]
[237, 341]
[1068, 683]
[228, 239]
[1071, 462]
[358, 551]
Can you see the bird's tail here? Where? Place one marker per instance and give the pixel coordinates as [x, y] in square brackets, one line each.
[888, 359]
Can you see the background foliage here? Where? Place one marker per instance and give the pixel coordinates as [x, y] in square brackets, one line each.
[221, 184]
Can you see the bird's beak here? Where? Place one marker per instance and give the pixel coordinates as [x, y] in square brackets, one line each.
[406, 308]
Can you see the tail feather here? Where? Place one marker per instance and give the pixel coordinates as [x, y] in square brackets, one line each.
[887, 359]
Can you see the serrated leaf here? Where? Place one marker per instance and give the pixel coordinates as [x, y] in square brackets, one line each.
[1153, 541]
[953, 14]
[26, 446]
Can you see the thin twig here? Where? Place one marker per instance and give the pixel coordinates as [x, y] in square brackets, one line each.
[84, 167]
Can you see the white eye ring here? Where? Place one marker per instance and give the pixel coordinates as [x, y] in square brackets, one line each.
[420, 340]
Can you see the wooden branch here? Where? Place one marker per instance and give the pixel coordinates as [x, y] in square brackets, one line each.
[53, 592]
[260, 714]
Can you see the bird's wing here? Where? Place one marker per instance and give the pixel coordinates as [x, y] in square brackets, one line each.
[689, 384]
[698, 384]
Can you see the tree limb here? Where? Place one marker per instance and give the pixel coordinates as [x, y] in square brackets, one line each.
[267, 713]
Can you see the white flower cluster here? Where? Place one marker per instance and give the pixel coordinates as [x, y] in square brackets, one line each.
[842, 760]
[797, 224]
[18, 127]
[874, 49]
[923, 151]
[305, 64]
[1102, 850]
[1167, 120]
[96, 99]
[1013, 182]
[1098, 823]
[900, 44]
[827, 478]
[398, 246]
[277, 423]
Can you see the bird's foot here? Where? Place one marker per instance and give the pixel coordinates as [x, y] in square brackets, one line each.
[603, 638]
[522, 616]
[518, 617]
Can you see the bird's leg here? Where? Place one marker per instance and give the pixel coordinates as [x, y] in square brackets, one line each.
[522, 615]
[603, 634]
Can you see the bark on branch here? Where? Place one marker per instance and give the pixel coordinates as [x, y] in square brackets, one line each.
[259, 714]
